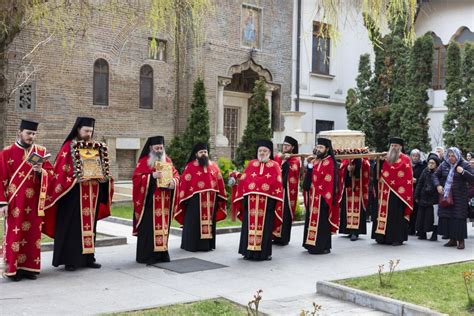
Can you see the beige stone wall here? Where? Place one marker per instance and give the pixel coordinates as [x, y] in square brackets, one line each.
[65, 77]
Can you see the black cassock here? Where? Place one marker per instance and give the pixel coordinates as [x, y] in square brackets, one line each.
[191, 236]
[68, 232]
[145, 232]
[284, 239]
[362, 229]
[397, 226]
[267, 237]
[323, 238]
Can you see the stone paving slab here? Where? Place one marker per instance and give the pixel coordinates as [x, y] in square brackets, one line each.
[123, 284]
[188, 265]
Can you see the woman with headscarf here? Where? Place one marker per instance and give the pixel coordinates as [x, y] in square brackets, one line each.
[451, 180]
[426, 197]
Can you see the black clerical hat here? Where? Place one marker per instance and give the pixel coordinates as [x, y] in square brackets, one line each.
[325, 142]
[396, 140]
[30, 125]
[266, 143]
[293, 142]
[197, 147]
[156, 140]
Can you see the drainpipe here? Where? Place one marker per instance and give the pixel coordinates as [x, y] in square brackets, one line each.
[298, 57]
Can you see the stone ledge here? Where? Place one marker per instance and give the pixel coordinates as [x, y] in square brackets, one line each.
[374, 301]
[102, 242]
[177, 231]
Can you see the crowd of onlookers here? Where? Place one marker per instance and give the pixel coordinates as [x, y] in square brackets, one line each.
[444, 195]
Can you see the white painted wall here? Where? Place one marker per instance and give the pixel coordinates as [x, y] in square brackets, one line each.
[445, 18]
[345, 53]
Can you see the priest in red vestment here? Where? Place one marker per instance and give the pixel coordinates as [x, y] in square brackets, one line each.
[354, 197]
[153, 202]
[290, 172]
[74, 204]
[395, 197]
[24, 175]
[202, 201]
[322, 210]
[258, 203]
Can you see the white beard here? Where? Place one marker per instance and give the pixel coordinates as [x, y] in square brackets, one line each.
[264, 159]
[393, 155]
[153, 158]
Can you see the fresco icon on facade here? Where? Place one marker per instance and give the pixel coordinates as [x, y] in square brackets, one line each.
[251, 27]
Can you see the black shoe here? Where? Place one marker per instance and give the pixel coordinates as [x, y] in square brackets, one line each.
[326, 251]
[397, 243]
[15, 278]
[269, 258]
[354, 237]
[70, 268]
[451, 243]
[94, 265]
[29, 276]
[422, 236]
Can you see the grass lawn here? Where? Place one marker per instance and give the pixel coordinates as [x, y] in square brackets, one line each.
[437, 287]
[215, 307]
[125, 211]
[44, 238]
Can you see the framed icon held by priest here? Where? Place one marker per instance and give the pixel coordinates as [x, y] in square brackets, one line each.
[166, 170]
[91, 163]
[90, 160]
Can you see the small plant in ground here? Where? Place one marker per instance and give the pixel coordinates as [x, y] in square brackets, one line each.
[252, 306]
[468, 276]
[314, 312]
[385, 279]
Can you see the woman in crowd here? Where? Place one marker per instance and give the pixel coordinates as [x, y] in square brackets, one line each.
[452, 180]
[426, 197]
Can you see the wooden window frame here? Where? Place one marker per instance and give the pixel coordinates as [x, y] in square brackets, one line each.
[106, 103]
[141, 105]
[318, 34]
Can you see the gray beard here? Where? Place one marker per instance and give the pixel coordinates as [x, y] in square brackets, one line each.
[154, 157]
[264, 159]
[393, 155]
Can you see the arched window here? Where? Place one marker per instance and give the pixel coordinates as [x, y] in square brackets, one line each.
[439, 67]
[463, 35]
[101, 82]
[146, 87]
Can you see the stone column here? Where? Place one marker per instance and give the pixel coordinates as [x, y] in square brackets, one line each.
[268, 96]
[221, 140]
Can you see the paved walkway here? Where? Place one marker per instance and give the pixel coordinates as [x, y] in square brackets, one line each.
[288, 281]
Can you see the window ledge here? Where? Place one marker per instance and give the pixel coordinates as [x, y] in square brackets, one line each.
[156, 60]
[318, 75]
